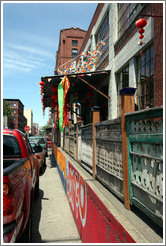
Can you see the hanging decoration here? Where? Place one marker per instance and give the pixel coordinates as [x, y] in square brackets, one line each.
[54, 88]
[141, 23]
[63, 88]
[41, 83]
[86, 62]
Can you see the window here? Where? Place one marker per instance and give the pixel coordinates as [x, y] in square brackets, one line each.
[122, 82]
[11, 146]
[74, 42]
[145, 78]
[74, 52]
[103, 35]
[126, 14]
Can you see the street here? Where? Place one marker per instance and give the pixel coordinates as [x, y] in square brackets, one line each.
[52, 219]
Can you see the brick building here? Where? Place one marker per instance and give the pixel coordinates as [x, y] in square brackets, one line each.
[121, 63]
[70, 41]
[18, 119]
[115, 23]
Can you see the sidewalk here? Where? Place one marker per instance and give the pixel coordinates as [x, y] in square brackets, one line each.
[53, 221]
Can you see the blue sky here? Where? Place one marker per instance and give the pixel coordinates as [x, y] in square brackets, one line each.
[30, 41]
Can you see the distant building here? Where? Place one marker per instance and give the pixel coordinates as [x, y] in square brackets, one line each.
[70, 41]
[28, 113]
[17, 114]
[35, 129]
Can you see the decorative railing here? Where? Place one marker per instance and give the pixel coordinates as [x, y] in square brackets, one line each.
[86, 149]
[145, 161]
[109, 166]
[66, 139]
[144, 134]
[72, 141]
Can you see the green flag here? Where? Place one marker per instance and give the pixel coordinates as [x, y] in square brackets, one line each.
[60, 103]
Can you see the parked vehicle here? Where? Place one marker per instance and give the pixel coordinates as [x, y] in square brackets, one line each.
[20, 186]
[49, 141]
[40, 155]
[40, 140]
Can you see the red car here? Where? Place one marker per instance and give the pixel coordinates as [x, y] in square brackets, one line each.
[49, 142]
[20, 185]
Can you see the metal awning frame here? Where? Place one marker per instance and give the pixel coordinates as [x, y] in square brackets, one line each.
[80, 76]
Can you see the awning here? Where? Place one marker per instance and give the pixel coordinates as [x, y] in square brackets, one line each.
[80, 84]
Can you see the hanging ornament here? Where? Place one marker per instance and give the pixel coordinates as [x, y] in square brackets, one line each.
[54, 97]
[41, 83]
[54, 88]
[141, 23]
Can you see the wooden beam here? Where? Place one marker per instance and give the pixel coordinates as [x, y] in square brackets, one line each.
[96, 118]
[127, 106]
[92, 86]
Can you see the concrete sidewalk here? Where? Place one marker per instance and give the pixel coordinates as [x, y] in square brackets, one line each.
[53, 221]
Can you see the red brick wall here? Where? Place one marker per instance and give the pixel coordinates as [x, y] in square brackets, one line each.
[64, 52]
[158, 54]
[19, 121]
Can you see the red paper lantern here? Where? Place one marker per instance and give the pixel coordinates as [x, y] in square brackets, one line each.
[42, 83]
[90, 105]
[141, 36]
[54, 88]
[141, 30]
[141, 23]
[54, 97]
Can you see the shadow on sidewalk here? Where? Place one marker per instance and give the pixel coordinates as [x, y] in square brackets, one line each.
[53, 161]
[36, 215]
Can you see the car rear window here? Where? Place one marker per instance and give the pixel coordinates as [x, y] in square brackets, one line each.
[42, 141]
[47, 139]
[11, 146]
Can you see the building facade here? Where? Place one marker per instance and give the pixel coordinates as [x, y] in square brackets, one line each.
[28, 113]
[70, 41]
[131, 64]
[18, 121]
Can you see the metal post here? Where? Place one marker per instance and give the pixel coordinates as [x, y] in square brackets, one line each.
[78, 120]
[96, 118]
[70, 123]
[127, 96]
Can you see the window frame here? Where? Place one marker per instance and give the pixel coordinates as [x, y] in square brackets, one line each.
[76, 54]
[75, 44]
[127, 12]
[103, 34]
[145, 85]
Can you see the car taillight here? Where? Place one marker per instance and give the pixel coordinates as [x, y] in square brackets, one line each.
[38, 156]
[8, 204]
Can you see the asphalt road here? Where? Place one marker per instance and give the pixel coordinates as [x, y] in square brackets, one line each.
[52, 219]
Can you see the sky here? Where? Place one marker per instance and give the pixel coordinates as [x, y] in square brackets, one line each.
[30, 34]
